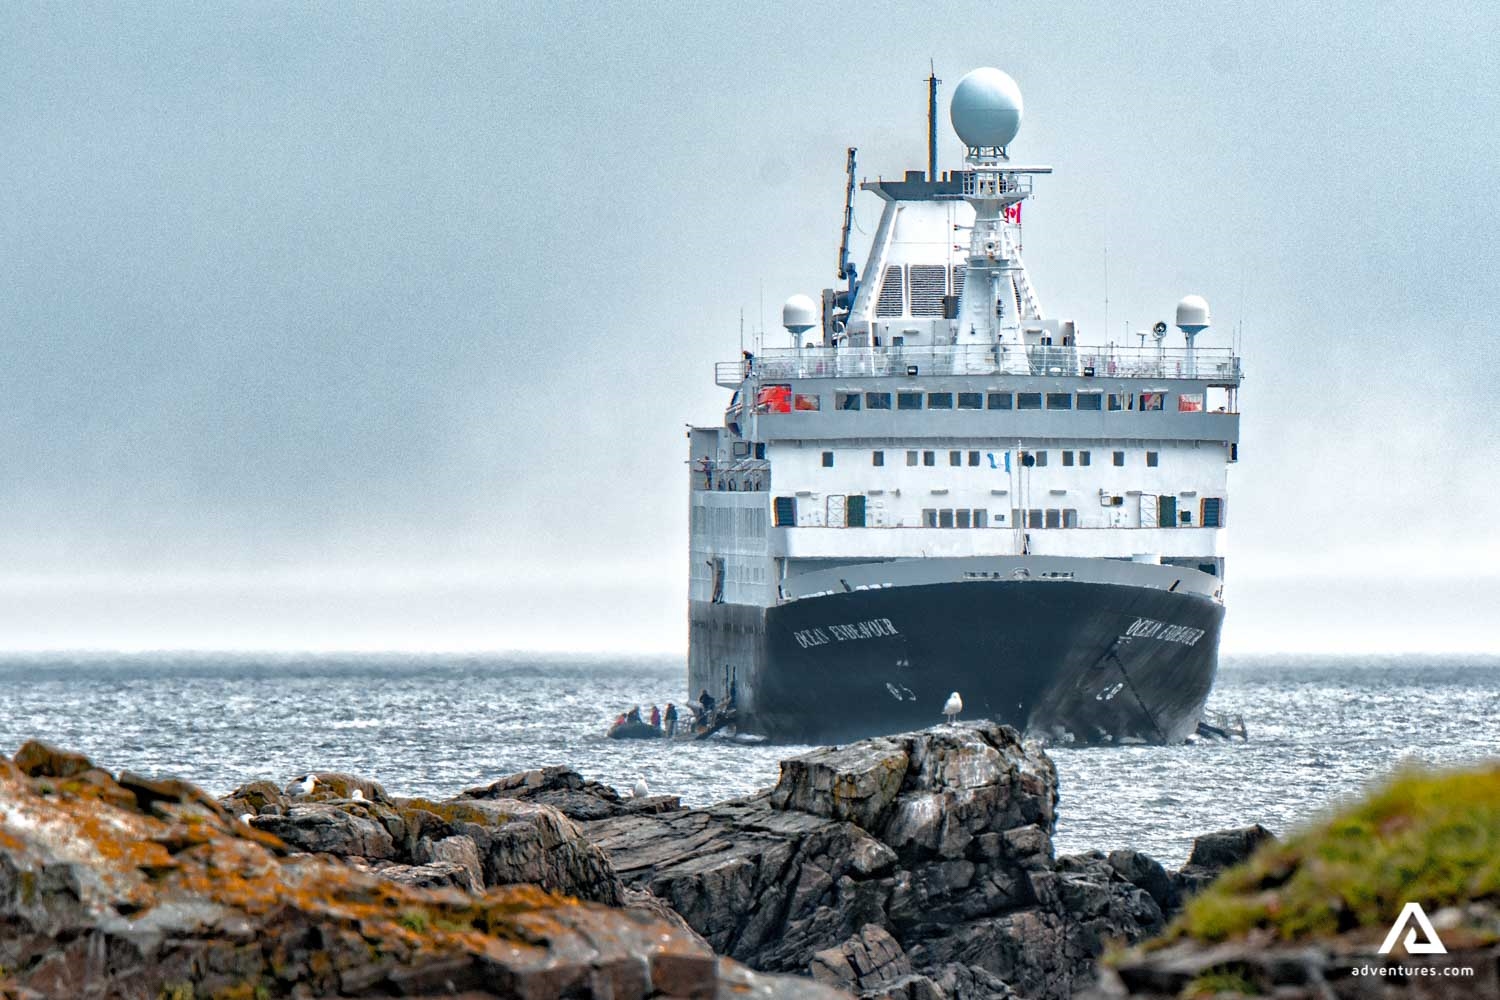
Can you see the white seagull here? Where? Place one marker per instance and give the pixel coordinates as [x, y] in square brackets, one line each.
[953, 706]
[306, 787]
[245, 818]
[357, 795]
[640, 789]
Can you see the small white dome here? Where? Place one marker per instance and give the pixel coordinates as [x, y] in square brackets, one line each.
[799, 314]
[1192, 313]
[986, 108]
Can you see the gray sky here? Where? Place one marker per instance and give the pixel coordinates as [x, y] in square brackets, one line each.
[377, 325]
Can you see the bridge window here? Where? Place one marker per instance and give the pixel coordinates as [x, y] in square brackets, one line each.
[1000, 401]
[1054, 517]
[1034, 518]
[961, 518]
[1153, 459]
[971, 400]
[877, 401]
[846, 400]
[877, 458]
[1121, 401]
[1084, 457]
[1153, 401]
[974, 458]
[929, 517]
[1059, 400]
[1190, 402]
[940, 400]
[908, 400]
[1028, 401]
[1090, 401]
[1070, 517]
[806, 401]
[1119, 459]
[911, 458]
[945, 517]
[827, 459]
[981, 518]
[955, 458]
[1067, 458]
[929, 458]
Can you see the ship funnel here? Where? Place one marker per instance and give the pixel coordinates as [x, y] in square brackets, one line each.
[799, 314]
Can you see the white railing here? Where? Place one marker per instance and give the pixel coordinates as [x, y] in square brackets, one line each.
[1110, 361]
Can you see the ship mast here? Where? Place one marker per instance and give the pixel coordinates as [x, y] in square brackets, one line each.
[997, 296]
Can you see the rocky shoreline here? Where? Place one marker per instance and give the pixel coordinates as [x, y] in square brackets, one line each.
[917, 866]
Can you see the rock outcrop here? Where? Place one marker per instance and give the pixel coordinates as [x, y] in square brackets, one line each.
[473, 842]
[915, 866]
[124, 886]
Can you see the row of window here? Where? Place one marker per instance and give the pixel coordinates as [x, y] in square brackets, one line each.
[1029, 459]
[1161, 511]
[1187, 402]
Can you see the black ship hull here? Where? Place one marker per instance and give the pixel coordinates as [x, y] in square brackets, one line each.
[1068, 660]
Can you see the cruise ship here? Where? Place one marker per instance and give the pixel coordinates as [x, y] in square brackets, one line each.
[938, 487]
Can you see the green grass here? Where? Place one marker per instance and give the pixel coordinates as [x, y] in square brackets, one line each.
[1217, 981]
[1429, 837]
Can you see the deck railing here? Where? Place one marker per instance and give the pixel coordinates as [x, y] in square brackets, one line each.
[1217, 364]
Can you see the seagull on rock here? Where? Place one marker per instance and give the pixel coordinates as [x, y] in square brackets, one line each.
[307, 785]
[952, 707]
[357, 795]
[640, 789]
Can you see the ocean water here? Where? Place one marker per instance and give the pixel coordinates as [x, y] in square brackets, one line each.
[1321, 730]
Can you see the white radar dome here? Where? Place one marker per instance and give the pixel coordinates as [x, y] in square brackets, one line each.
[986, 108]
[1192, 313]
[799, 314]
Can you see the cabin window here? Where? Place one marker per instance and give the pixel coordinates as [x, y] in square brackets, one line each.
[971, 400]
[1083, 457]
[955, 458]
[1034, 518]
[877, 401]
[961, 518]
[1121, 400]
[1070, 517]
[1234, 451]
[974, 458]
[1184, 517]
[1000, 401]
[929, 458]
[945, 517]
[929, 517]
[1059, 400]
[1028, 401]
[1054, 517]
[911, 458]
[877, 458]
[1153, 459]
[1211, 514]
[774, 399]
[854, 513]
[981, 518]
[1067, 458]
[1153, 401]
[940, 400]
[827, 459]
[908, 400]
[806, 401]
[785, 510]
[1090, 401]
[1190, 402]
[1119, 459]
[1041, 458]
[847, 400]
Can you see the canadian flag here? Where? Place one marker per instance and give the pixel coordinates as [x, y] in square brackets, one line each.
[1013, 213]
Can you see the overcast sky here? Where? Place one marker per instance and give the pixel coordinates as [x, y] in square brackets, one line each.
[378, 325]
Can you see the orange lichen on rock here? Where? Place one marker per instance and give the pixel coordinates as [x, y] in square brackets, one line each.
[183, 899]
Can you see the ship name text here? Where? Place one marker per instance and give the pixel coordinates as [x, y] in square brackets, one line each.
[875, 628]
[1150, 628]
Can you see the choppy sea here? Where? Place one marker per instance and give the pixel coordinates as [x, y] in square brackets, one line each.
[1320, 730]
